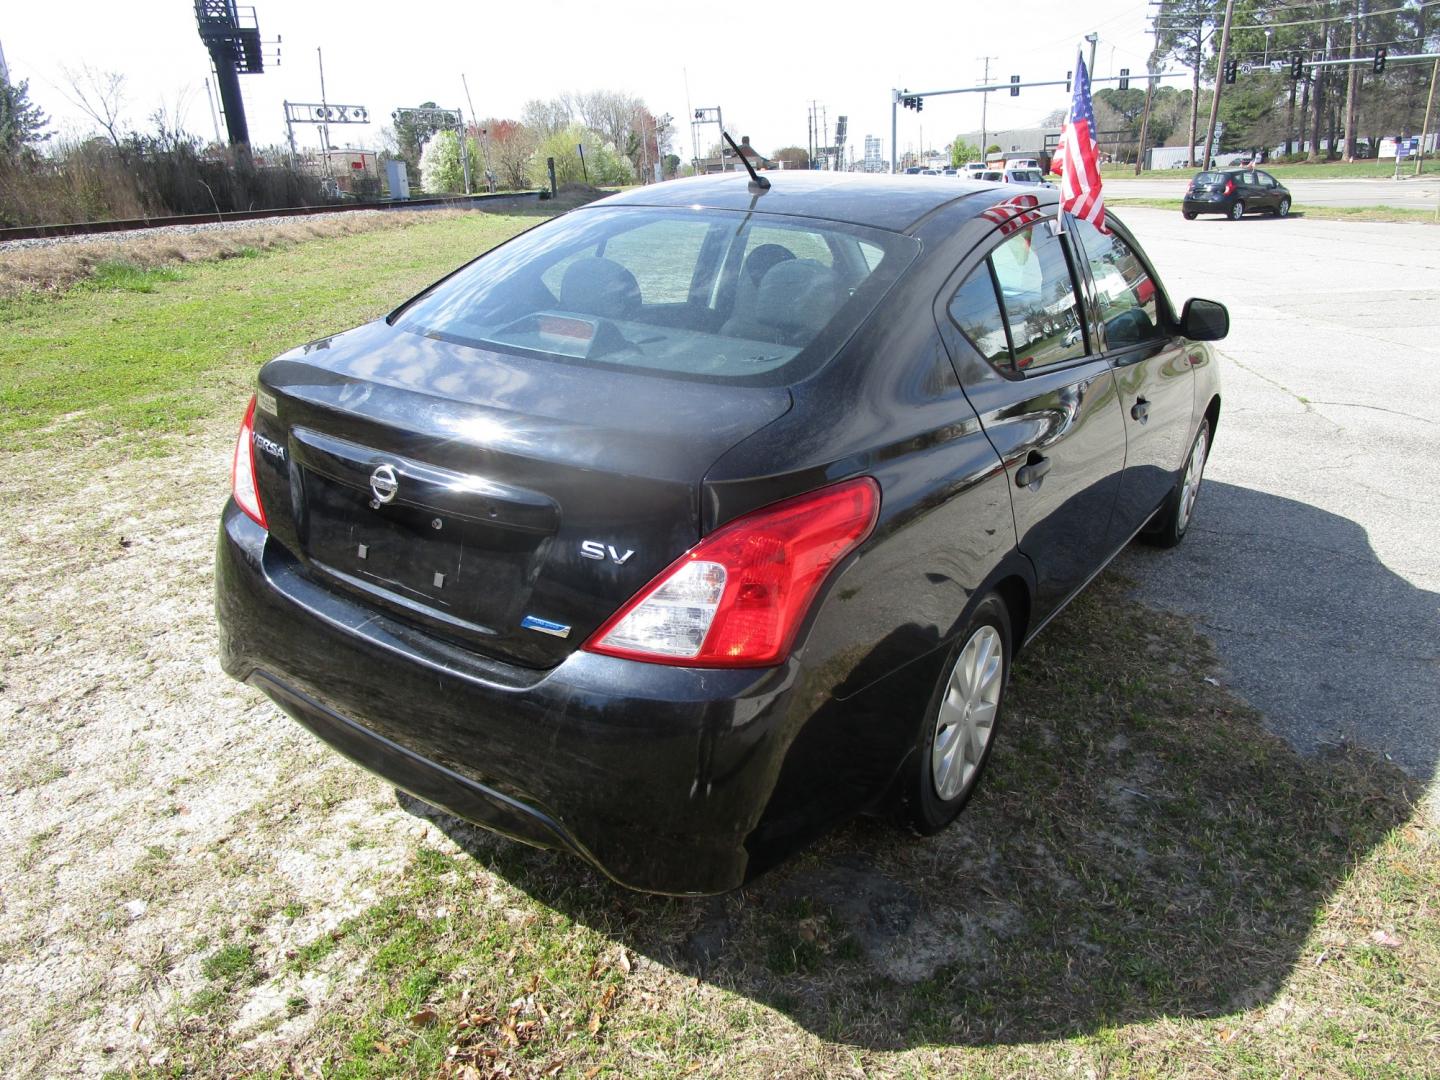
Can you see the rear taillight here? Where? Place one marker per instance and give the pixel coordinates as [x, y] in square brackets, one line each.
[1229, 187]
[737, 598]
[242, 471]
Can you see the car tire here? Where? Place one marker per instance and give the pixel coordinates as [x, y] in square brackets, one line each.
[1173, 519]
[1283, 210]
[1188, 215]
[1237, 211]
[967, 704]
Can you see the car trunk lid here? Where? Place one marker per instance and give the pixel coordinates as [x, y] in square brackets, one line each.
[505, 502]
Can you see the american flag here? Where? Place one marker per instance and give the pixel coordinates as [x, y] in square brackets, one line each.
[1077, 159]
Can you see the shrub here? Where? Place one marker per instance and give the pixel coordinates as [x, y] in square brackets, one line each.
[602, 164]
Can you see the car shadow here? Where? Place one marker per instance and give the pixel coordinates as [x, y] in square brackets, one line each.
[1142, 847]
[1311, 627]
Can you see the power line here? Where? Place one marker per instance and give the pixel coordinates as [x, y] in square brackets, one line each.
[1303, 22]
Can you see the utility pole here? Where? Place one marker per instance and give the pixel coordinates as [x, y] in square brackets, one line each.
[1219, 83]
[1149, 97]
[485, 146]
[1352, 84]
[324, 128]
[1429, 103]
[984, 103]
[215, 118]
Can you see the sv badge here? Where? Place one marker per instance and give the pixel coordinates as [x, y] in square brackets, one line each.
[593, 549]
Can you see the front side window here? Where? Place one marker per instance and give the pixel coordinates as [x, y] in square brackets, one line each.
[1126, 300]
[1266, 180]
[684, 293]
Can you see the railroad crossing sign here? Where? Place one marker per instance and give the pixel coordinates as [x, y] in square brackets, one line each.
[297, 112]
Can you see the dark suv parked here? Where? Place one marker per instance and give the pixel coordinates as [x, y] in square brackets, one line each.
[683, 526]
[1235, 193]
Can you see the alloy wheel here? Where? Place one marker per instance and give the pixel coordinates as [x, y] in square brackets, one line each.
[1237, 211]
[966, 718]
[1194, 470]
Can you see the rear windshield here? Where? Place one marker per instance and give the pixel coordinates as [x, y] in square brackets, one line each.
[1025, 176]
[698, 294]
[1210, 178]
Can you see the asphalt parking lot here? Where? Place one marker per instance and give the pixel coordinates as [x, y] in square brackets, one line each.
[1314, 561]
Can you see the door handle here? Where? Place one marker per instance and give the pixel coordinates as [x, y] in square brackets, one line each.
[1034, 470]
[1140, 410]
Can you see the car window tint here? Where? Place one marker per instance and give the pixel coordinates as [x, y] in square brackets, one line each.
[871, 253]
[1126, 300]
[1267, 180]
[977, 313]
[802, 243]
[1210, 178]
[662, 280]
[1039, 295]
[613, 287]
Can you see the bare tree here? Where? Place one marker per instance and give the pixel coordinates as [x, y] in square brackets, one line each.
[100, 95]
[611, 114]
[545, 118]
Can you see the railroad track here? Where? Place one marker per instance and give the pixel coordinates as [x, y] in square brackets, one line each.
[85, 228]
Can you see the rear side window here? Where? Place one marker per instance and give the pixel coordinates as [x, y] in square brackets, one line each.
[1018, 307]
[682, 293]
[1039, 296]
[976, 311]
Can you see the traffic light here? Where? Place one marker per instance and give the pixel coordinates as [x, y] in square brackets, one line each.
[919, 104]
[1068, 75]
[1297, 66]
[1014, 85]
[1380, 55]
[1124, 78]
[1232, 68]
[913, 101]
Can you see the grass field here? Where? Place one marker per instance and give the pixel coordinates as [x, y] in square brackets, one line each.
[1148, 884]
[1336, 170]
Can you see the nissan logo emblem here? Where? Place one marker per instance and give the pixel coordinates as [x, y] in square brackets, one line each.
[384, 483]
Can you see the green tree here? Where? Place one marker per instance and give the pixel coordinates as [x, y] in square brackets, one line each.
[413, 131]
[602, 164]
[441, 170]
[22, 124]
[993, 148]
[962, 151]
[794, 157]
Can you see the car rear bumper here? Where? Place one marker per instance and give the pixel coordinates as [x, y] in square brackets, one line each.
[658, 776]
[1207, 206]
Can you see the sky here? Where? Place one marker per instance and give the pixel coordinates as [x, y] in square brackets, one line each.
[762, 64]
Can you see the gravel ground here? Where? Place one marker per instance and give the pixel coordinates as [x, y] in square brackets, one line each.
[132, 769]
[126, 235]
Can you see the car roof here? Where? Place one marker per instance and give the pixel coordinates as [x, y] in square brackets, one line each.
[881, 202]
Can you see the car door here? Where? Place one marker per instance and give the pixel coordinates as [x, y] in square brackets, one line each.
[1015, 329]
[1151, 361]
[1270, 188]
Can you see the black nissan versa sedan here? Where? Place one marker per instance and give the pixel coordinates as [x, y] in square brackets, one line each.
[687, 524]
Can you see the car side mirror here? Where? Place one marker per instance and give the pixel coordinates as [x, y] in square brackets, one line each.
[1204, 320]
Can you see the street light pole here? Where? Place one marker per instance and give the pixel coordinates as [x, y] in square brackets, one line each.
[1429, 102]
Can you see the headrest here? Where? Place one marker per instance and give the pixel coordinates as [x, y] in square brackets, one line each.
[599, 287]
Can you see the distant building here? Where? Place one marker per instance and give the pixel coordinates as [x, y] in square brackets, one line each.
[873, 161]
[728, 162]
